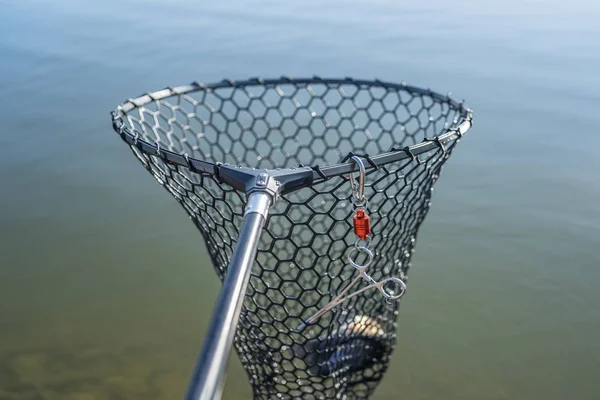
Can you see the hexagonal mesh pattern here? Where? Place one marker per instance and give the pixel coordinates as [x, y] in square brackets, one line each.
[301, 264]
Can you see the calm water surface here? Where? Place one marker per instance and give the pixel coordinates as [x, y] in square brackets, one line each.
[105, 287]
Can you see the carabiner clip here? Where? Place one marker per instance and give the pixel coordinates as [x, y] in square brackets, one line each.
[359, 199]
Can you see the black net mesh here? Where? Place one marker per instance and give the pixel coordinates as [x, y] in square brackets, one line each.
[301, 262]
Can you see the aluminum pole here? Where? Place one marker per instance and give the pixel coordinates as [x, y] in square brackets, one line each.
[208, 377]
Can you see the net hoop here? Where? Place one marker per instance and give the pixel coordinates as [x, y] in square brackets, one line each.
[320, 172]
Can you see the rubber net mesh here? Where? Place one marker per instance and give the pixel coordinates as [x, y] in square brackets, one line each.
[301, 262]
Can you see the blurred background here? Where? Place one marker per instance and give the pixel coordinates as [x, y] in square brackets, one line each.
[106, 289]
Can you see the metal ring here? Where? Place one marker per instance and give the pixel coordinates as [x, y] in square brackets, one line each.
[397, 281]
[358, 240]
[361, 250]
[356, 202]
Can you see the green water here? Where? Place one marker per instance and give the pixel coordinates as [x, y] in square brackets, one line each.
[106, 289]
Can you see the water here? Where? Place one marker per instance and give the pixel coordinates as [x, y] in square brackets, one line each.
[106, 289]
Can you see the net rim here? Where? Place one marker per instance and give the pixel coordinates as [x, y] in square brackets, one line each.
[320, 172]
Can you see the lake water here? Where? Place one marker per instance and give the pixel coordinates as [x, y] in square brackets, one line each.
[105, 286]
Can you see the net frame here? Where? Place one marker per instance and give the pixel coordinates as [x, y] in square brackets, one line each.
[408, 152]
[326, 373]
